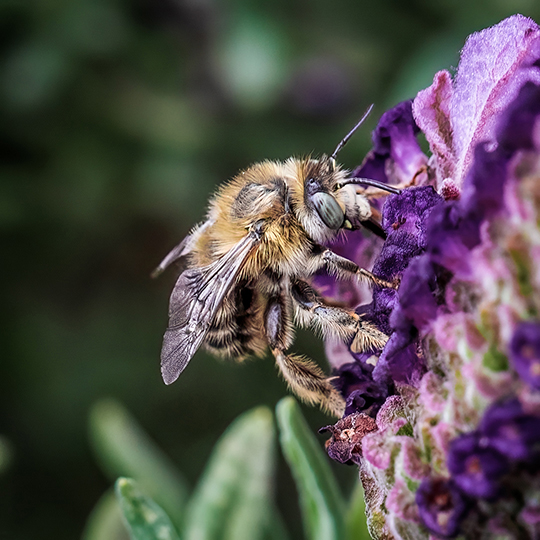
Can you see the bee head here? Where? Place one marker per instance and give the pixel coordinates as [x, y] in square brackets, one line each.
[321, 214]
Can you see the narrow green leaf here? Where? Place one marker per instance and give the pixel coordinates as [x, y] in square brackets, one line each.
[105, 521]
[144, 519]
[275, 529]
[124, 449]
[322, 505]
[356, 520]
[233, 498]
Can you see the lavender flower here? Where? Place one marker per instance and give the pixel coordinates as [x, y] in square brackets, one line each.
[507, 428]
[441, 506]
[525, 352]
[456, 449]
[475, 467]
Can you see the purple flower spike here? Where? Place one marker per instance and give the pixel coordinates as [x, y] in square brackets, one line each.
[395, 148]
[476, 469]
[511, 431]
[525, 353]
[461, 262]
[441, 506]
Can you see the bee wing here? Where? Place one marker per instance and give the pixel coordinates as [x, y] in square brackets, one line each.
[182, 249]
[194, 302]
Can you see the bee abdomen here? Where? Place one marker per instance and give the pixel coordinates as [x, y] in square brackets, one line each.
[235, 331]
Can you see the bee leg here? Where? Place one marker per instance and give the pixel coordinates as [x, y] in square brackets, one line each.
[336, 264]
[331, 320]
[305, 379]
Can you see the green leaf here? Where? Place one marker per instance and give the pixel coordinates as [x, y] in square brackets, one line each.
[275, 528]
[356, 519]
[233, 498]
[144, 519]
[323, 508]
[105, 521]
[124, 449]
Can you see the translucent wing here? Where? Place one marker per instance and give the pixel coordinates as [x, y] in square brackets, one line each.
[194, 302]
[182, 249]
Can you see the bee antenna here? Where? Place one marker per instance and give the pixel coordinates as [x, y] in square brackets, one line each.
[369, 182]
[351, 133]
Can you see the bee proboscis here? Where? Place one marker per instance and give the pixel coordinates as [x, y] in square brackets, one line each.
[248, 267]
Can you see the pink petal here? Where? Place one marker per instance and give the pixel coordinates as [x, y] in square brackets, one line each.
[431, 110]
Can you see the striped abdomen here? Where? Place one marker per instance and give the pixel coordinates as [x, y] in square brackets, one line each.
[236, 330]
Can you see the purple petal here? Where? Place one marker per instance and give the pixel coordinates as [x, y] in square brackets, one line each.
[452, 234]
[441, 506]
[476, 470]
[516, 129]
[408, 212]
[395, 148]
[362, 394]
[399, 361]
[483, 189]
[525, 352]
[417, 305]
[512, 431]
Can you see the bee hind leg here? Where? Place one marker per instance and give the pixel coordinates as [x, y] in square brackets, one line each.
[305, 379]
[309, 383]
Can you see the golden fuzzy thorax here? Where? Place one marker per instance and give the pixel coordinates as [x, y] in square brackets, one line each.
[272, 192]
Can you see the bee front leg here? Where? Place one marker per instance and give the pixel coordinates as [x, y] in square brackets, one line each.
[340, 266]
[304, 377]
[336, 321]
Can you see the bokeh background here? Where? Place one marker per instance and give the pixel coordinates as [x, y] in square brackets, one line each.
[118, 120]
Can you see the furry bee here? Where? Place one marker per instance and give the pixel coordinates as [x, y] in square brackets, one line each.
[248, 268]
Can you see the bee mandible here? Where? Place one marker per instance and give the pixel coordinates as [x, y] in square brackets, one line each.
[248, 267]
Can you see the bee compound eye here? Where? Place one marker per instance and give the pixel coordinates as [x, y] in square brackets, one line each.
[328, 209]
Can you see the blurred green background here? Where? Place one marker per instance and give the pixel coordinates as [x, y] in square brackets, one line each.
[119, 118]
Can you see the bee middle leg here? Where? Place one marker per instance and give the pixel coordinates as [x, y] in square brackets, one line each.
[337, 321]
[303, 376]
[340, 266]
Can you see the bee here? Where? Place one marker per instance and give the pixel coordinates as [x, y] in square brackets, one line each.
[248, 265]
